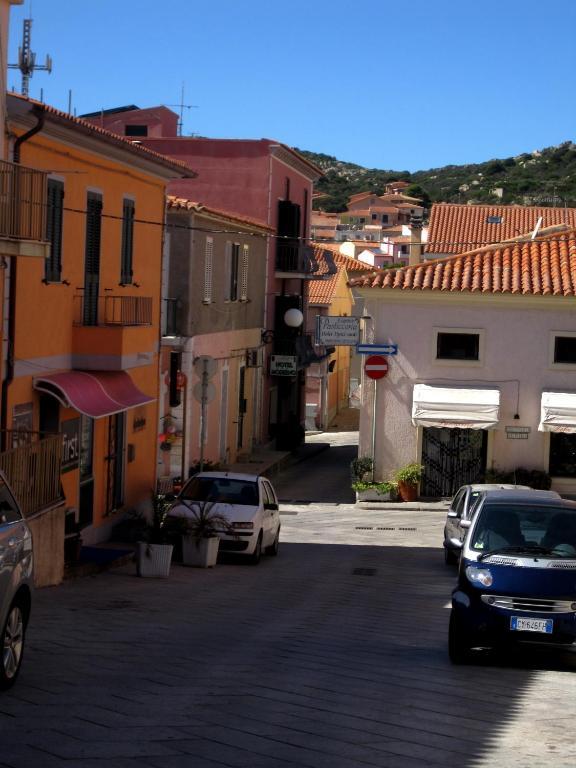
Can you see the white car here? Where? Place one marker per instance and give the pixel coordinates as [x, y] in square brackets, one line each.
[15, 585]
[248, 502]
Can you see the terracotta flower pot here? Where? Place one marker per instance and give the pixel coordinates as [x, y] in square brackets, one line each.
[407, 491]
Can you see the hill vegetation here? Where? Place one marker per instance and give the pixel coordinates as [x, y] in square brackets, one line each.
[546, 177]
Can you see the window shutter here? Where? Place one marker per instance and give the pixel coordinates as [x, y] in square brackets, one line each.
[227, 271]
[208, 254]
[127, 242]
[244, 273]
[234, 264]
[53, 265]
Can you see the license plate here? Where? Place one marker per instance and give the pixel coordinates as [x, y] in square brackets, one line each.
[520, 624]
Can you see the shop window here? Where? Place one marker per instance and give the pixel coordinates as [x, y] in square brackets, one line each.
[562, 455]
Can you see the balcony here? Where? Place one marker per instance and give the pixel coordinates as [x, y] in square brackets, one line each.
[294, 259]
[112, 332]
[23, 206]
[32, 466]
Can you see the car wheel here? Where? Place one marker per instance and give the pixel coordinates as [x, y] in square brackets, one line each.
[272, 550]
[459, 641]
[450, 557]
[257, 554]
[12, 646]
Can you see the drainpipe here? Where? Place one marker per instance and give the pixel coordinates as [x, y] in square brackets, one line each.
[11, 298]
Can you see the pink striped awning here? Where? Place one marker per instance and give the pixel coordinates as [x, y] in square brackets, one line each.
[93, 393]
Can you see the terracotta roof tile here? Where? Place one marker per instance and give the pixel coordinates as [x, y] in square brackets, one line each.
[460, 228]
[181, 204]
[542, 267]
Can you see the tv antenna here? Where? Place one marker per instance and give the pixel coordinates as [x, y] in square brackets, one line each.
[182, 107]
[27, 59]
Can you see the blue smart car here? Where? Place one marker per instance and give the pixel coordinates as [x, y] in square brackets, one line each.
[517, 575]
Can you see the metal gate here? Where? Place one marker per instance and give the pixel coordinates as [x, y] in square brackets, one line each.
[451, 458]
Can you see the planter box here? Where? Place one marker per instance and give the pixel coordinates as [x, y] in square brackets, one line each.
[371, 494]
[201, 553]
[153, 560]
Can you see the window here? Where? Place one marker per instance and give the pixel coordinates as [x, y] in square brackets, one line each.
[384, 218]
[126, 272]
[404, 249]
[565, 349]
[562, 455]
[208, 255]
[136, 130]
[92, 258]
[53, 265]
[244, 273]
[457, 346]
[374, 216]
[232, 263]
[494, 219]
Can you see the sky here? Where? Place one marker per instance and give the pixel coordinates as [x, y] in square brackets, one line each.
[388, 84]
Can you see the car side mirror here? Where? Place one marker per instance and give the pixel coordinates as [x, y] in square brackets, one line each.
[452, 513]
[465, 523]
[456, 543]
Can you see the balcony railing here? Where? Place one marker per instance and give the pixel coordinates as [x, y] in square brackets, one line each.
[292, 256]
[23, 202]
[33, 469]
[113, 310]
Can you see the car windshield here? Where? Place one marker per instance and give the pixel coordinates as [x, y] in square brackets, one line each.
[224, 490]
[525, 528]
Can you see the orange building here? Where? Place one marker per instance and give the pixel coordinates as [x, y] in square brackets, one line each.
[84, 324]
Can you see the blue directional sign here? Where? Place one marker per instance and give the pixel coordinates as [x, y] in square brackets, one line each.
[377, 349]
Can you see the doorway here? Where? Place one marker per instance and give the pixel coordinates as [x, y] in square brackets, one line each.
[451, 458]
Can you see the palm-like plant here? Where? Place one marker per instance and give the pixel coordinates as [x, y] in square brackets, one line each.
[202, 520]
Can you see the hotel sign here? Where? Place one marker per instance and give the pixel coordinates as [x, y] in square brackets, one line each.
[283, 365]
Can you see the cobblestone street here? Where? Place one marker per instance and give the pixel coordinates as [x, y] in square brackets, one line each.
[332, 655]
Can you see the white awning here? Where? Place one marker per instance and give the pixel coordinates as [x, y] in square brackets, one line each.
[455, 407]
[558, 412]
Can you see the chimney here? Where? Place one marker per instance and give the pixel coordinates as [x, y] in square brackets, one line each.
[415, 257]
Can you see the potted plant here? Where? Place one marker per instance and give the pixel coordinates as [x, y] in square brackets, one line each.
[156, 541]
[408, 478]
[203, 522]
[374, 491]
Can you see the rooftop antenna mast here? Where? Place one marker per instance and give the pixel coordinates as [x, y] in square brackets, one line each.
[27, 59]
[182, 107]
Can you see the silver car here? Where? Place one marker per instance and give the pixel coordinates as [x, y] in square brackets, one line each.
[461, 509]
[15, 584]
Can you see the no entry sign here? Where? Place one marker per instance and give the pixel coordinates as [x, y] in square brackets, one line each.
[376, 366]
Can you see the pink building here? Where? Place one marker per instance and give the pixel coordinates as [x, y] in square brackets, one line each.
[268, 181]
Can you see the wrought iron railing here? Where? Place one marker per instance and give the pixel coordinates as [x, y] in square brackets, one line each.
[292, 256]
[32, 467]
[112, 310]
[23, 202]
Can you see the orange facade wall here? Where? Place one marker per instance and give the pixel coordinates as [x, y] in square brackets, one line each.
[48, 338]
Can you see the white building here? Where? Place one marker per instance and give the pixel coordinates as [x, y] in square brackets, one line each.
[485, 375]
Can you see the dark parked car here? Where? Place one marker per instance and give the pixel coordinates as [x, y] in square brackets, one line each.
[461, 509]
[15, 584]
[517, 575]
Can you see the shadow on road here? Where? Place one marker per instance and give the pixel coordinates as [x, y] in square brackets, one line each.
[327, 655]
